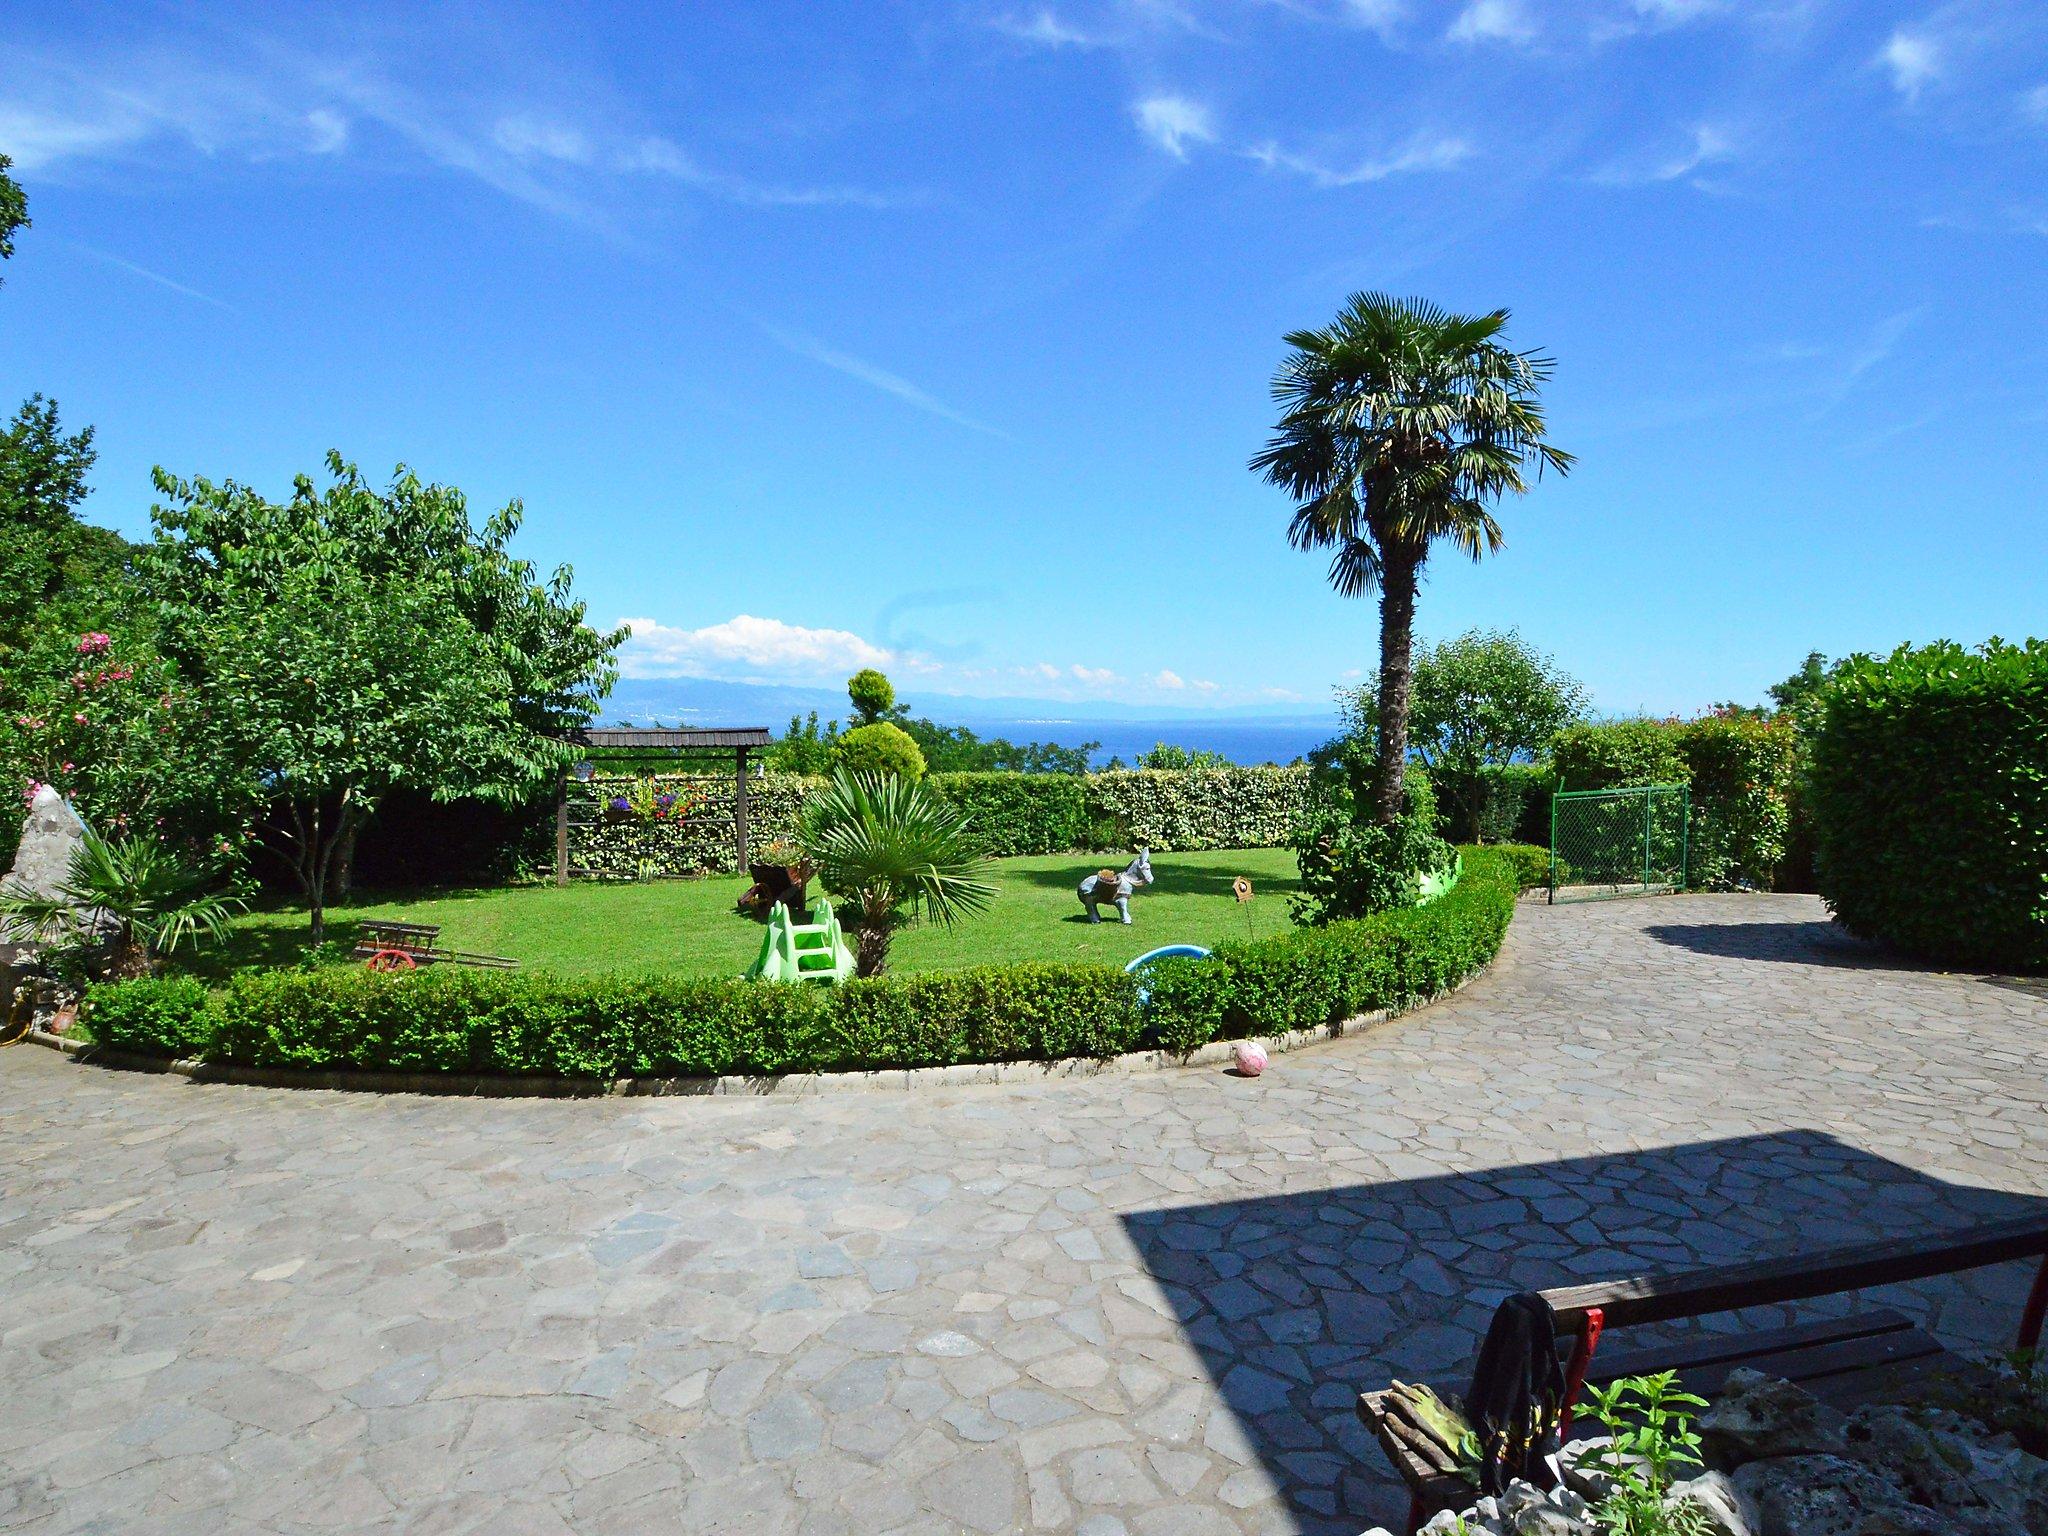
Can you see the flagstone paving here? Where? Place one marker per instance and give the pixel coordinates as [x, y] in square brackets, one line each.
[1134, 1304]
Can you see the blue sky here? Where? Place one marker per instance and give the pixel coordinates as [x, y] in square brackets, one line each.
[939, 336]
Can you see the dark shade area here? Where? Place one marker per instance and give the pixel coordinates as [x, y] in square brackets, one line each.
[1297, 1303]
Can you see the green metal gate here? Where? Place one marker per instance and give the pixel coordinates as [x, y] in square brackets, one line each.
[1618, 842]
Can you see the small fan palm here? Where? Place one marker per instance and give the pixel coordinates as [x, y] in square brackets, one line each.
[154, 903]
[899, 853]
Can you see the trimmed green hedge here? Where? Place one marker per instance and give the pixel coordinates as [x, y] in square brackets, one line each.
[1929, 788]
[1014, 813]
[1740, 770]
[495, 1022]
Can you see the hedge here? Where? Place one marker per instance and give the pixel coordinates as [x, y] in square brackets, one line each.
[1740, 770]
[1015, 813]
[1929, 790]
[495, 1022]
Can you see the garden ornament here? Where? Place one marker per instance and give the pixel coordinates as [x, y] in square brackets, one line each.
[1108, 885]
[1249, 1057]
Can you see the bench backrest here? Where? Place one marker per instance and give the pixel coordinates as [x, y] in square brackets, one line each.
[1696, 1293]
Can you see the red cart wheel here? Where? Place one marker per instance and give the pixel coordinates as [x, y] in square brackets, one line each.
[391, 960]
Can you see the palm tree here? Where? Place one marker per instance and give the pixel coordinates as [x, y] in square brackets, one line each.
[898, 852]
[1400, 425]
[151, 903]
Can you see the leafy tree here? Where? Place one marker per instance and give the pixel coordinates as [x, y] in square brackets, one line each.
[153, 903]
[805, 747]
[898, 853]
[882, 747]
[351, 642]
[1483, 699]
[1800, 694]
[873, 695]
[956, 749]
[13, 208]
[53, 566]
[1173, 759]
[1401, 425]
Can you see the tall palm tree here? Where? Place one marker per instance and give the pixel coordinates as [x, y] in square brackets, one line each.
[1400, 425]
[897, 851]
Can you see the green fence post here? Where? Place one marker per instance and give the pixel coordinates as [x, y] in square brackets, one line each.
[1553, 848]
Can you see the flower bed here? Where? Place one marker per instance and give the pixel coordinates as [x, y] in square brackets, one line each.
[493, 1022]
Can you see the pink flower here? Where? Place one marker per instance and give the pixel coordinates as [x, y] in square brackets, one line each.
[79, 718]
[94, 643]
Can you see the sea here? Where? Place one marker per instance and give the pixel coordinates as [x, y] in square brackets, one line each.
[1242, 741]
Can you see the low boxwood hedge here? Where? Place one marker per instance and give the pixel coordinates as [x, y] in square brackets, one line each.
[496, 1022]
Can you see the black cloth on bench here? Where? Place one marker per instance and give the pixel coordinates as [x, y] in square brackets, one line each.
[1516, 1399]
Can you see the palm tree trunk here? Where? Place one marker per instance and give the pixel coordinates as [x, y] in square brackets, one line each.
[1399, 573]
[871, 942]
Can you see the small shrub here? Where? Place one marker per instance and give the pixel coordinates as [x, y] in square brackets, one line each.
[1929, 788]
[1530, 863]
[1352, 866]
[165, 1015]
[880, 748]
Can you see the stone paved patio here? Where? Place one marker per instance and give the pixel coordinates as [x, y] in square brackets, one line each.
[1135, 1304]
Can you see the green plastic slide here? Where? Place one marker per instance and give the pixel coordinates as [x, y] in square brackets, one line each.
[793, 951]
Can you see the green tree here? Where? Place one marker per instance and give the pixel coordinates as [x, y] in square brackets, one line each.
[898, 853]
[1173, 759]
[13, 208]
[1481, 700]
[1402, 425]
[53, 566]
[351, 642]
[883, 747]
[873, 695]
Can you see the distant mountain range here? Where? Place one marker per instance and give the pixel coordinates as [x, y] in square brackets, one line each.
[703, 701]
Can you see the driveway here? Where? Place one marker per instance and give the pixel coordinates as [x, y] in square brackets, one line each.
[1130, 1304]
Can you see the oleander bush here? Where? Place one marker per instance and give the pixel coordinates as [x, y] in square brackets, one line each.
[1014, 813]
[450, 1019]
[1929, 789]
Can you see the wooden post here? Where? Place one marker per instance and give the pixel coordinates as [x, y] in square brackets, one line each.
[562, 831]
[739, 808]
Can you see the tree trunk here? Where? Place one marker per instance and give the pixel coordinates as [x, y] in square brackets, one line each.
[1399, 572]
[343, 878]
[871, 942]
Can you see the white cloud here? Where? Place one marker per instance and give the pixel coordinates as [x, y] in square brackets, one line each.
[1710, 145]
[135, 270]
[37, 140]
[1203, 685]
[1381, 16]
[1167, 679]
[1173, 122]
[1421, 154]
[750, 649]
[1672, 13]
[1043, 28]
[525, 137]
[1093, 677]
[1915, 60]
[326, 132]
[874, 377]
[2035, 103]
[1493, 21]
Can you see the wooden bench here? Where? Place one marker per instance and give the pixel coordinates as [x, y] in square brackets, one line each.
[388, 946]
[1866, 1357]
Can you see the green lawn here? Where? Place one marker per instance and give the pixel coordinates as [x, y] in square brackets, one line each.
[689, 927]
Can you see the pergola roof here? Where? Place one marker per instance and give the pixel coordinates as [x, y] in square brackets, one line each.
[683, 739]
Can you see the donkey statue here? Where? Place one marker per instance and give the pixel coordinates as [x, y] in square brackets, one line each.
[1108, 885]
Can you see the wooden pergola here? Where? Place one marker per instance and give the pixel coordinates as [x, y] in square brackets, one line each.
[683, 742]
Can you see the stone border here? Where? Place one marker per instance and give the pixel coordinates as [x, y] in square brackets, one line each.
[794, 1084]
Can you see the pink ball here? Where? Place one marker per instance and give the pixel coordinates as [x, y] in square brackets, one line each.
[1249, 1057]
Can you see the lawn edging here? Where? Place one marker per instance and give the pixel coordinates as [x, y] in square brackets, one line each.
[528, 1032]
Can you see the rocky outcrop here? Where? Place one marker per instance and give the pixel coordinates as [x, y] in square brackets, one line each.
[1758, 1416]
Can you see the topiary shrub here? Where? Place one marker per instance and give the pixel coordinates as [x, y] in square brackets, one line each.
[1929, 788]
[880, 748]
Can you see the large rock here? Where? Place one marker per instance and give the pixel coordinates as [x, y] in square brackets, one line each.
[1725, 1508]
[1757, 1417]
[49, 837]
[1954, 1464]
[1832, 1496]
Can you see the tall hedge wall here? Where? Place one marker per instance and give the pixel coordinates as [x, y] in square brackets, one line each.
[1016, 813]
[1929, 789]
[495, 1022]
[1741, 772]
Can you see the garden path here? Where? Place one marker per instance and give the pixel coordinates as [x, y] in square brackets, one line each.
[1133, 1304]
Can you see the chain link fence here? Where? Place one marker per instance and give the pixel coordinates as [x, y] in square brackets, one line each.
[1619, 842]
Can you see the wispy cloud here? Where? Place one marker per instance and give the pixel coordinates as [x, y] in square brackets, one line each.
[1915, 60]
[1708, 145]
[1424, 153]
[135, 269]
[875, 378]
[1494, 21]
[747, 648]
[1044, 29]
[1173, 122]
[2034, 104]
[1381, 16]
